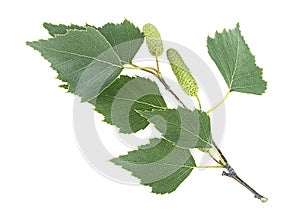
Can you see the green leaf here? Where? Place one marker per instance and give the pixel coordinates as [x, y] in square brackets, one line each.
[234, 60]
[87, 59]
[83, 58]
[159, 164]
[125, 38]
[61, 29]
[119, 102]
[181, 126]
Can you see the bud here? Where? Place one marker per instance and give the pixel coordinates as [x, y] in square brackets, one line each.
[264, 199]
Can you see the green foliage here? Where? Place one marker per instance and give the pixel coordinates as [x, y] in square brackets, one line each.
[61, 29]
[153, 40]
[89, 60]
[234, 60]
[85, 59]
[120, 101]
[79, 56]
[181, 126]
[159, 164]
[125, 38]
[182, 73]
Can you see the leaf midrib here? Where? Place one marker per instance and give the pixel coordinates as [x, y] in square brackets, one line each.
[82, 55]
[235, 63]
[190, 133]
[135, 101]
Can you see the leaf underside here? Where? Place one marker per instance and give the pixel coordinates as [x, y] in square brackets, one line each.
[159, 164]
[234, 60]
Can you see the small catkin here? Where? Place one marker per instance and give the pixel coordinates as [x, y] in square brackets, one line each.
[153, 40]
[182, 73]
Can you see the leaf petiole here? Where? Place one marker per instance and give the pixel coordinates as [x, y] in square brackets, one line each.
[203, 167]
[157, 63]
[219, 104]
[221, 157]
[223, 161]
[217, 161]
[136, 67]
[199, 103]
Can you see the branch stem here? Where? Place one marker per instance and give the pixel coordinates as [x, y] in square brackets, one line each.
[167, 87]
[151, 70]
[223, 161]
[210, 154]
[221, 156]
[232, 174]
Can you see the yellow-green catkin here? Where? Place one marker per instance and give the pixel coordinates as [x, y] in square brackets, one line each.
[182, 73]
[153, 40]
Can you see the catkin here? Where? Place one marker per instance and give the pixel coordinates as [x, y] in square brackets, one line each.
[182, 73]
[153, 40]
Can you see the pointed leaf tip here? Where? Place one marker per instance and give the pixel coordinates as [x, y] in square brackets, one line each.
[236, 63]
[175, 126]
[89, 59]
[159, 164]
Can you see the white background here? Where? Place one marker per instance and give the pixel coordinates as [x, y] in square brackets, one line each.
[43, 175]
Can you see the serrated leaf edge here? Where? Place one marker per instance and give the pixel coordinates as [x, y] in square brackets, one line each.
[172, 142]
[237, 27]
